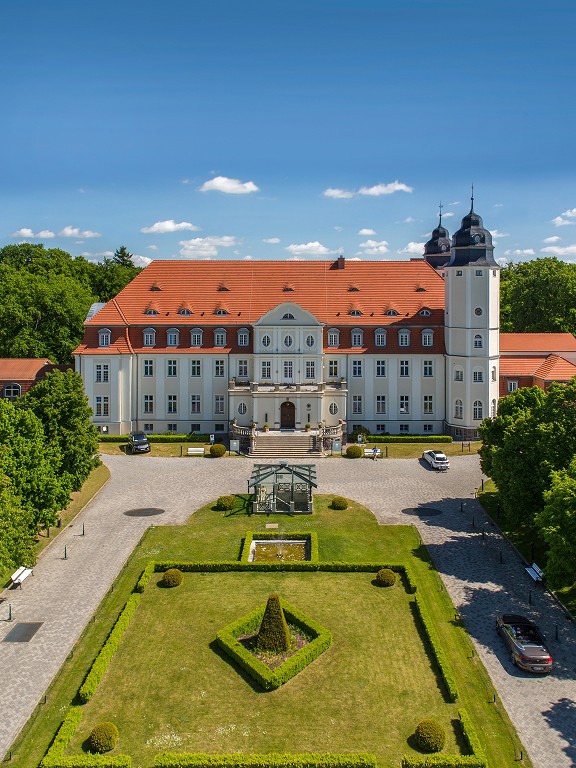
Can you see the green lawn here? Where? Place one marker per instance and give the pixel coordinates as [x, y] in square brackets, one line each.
[168, 688]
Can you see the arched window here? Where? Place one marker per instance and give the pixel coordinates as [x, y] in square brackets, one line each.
[403, 337]
[104, 337]
[478, 410]
[242, 408]
[427, 338]
[355, 312]
[12, 392]
[172, 337]
[424, 313]
[196, 337]
[478, 343]
[380, 337]
[243, 337]
[221, 312]
[333, 408]
[219, 337]
[458, 374]
[333, 337]
[458, 409]
[391, 313]
[357, 337]
[493, 373]
[288, 316]
[151, 312]
[493, 408]
[149, 337]
[184, 311]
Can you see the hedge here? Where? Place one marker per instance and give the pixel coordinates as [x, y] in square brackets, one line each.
[88, 687]
[470, 736]
[475, 760]
[409, 439]
[295, 565]
[443, 664]
[268, 678]
[54, 757]
[171, 438]
[145, 577]
[272, 760]
[310, 536]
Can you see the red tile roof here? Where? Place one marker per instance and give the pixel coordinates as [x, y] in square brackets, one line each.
[556, 369]
[22, 369]
[537, 342]
[520, 366]
[550, 368]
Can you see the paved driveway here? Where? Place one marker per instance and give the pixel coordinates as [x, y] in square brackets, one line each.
[63, 594]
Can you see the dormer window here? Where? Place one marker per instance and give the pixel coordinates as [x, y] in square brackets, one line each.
[223, 287]
[288, 316]
[404, 338]
[355, 313]
[219, 337]
[149, 337]
[155, 287]
[184, 311]
[357, 337]
[353, 289]
[243, 337]
[196, 337]
[288, 288]
[427, 338]
[151, 311]
[104, 336]
[172, 337]
[221, 312]
[12, 392]
[380, 337]
[391, 313]
[333, 337]
[425, 312]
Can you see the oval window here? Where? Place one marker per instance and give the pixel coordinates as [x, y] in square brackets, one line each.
[478, 311]
[287, 341]
[333, 409]
[309, 341]
[266, 341]
[242, 408]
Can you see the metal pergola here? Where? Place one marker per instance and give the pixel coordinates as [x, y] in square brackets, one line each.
[282, 488]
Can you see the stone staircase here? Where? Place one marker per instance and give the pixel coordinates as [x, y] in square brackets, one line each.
[288, 445]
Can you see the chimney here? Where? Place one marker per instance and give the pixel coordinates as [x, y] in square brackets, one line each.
[341, 263]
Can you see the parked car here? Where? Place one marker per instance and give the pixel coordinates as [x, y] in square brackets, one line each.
[527, 645]
[436, 459]
[138, 442]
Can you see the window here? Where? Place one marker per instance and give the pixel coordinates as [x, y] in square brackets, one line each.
[356, 367]
[148, 403]
[333, 409]
[459, 273]
[195, 367]
[288, 316]
[332, 367]
[104, 337]
[404, 368]
[310, 369]
[196, 337]
[242, 369]
[428, 404]
[380, 427]
[194, 428]
[427, 427]
[310, 341]
[172, 404]
[478, 311]
[404, 338]
[380, 403]
[380, 367]
[288, 341]
[219, 337]
[478, 273]
[512, 386]
[172, 427]
[102, 372]
[478, 376]
[493, 373]
[148, 367]
[194, 403]
[266, 370]
[102, 406]
[218, 369]
[391, 313]
[404, 403]
[404, 428]
[243, 337]
[172, 337]
[242, 409]
[458, 374]
[148, 427]
[493, 409]
[458, 409]
[149, 337]
[288, 369]
[478, 410]
[427, 338]
[221, 312]
[427, 369]
[266, 340]
[219, 404]
[478, 343]
[424, 313]
[355, 313]
[357, 337]
[171, 368]
[356, 404]
[218, 427]
[380, 337]
[12, 392]
[184, 311]
[333, 337]
[151, 312]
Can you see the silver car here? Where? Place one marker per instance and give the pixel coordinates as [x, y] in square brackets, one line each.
[436, 459]
[525, 642]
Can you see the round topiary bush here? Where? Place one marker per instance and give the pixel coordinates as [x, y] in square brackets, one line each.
[339, 502]
[103, 737]
[226, 503]
[354, 452]
[172, 578]
[430, 736]
[386, 577]
[217, 450]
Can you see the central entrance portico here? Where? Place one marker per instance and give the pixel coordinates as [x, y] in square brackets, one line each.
[287, 415]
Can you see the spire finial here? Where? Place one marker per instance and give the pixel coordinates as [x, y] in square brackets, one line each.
[472, 199]
[440, 206]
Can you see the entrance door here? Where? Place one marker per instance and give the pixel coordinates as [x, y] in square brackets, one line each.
[287, 416]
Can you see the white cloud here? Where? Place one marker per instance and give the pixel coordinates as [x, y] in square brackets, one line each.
[163, 227]
[366, 232]
[385, 189]
[295, 258]
[498, 205]
[75, 232]
[448, 214]
[454, 202]
[152, 247]
[44, 234]
[558, 250]
[309, 249]
[407, 220]
[229, 186]
[185, 181]
[338, 194]
[338, 229]
[502, 261]
[496, 234]
[205, 247]
[553, 239]
[23, 232]
[560, 222]
[247, 258]
[141, 261]
[271, 240]
[520, 252]
[413, 249]
[570, 213]
[97, 255]
[373, 248]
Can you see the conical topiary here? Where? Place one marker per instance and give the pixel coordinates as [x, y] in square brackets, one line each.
[274, 634]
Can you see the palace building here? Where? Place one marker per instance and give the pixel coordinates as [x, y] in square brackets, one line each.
[405, 347]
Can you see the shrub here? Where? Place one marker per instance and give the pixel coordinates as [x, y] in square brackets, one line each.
[274, 634]
[103, 737]
[226, 503]
[386, 577]
[339, 502]
[360, 430]
[354, 452]
[430, 736]
[217, 450]
[172, 578]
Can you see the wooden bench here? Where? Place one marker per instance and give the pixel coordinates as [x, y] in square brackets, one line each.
[18, 576]
[197, 451]
[369, 453]
[535, 573]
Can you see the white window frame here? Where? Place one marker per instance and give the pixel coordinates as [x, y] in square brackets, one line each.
[404, 369]
[172, 337]
[104, 337]
[219, 368]
[172, 404]
[403, 337]
[428, 369]
[242, 369]
[428, 405]
[219, 337]
[171, 368]
[102, 406]
[149, 337]
[333, 409]
[148, 404]
[458, 409]
[219, 405]
[265, 369]
[512, 385]
[478, 410]
[333, 337]
[404, 404]
[12, 391]
[333, 368]
[381, 404]
[478, 341]
[381, 368]
[478, 376]
[195, 367]
[148, 369]
[195, 404]
[357, 405]
[357, 369]
[310, 367]
[102, 373]
[427, 338]
[380, 337]
[243, 337]
[357, 339]
[458, 374]
[196, 337]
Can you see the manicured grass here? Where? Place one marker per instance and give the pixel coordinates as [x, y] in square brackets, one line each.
[371, 686]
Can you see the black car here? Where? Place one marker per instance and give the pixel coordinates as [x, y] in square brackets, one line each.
[138, 442]
[526, 643]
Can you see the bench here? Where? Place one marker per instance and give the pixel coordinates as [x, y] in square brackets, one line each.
[18, 576]
[199, 451]
[535, 573]
[369, 453]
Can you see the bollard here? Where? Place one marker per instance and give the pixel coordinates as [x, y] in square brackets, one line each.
[10, 612]
[65, 553]
[386, 451]
[494, 699]
[482, 485]
[83, 532]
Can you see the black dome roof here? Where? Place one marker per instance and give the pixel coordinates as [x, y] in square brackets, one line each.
[439, 242]
[472, 243]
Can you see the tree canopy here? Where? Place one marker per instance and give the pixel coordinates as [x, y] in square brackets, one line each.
[557, 522]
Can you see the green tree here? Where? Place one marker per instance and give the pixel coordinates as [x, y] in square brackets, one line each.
[274, 634]
[123, 257]
[557, 523]
[16, 539]
[62, 407]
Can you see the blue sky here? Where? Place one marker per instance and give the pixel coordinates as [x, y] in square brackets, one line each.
[318, 126]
